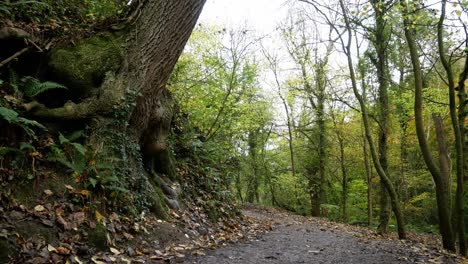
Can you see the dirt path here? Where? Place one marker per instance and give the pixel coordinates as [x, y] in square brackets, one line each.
[296, 239]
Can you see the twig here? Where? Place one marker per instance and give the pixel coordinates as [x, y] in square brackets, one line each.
[13, 56]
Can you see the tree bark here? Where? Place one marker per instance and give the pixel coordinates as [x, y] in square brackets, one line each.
[380, 43]
[368, 180]
[132, 111]
[445, 226]
[458, 125]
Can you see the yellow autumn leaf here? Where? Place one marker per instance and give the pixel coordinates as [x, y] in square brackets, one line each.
[98, 216]
[76, 176]
[34, 154]
[84, 192]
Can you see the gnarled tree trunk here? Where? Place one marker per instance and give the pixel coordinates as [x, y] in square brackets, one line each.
[131, 111]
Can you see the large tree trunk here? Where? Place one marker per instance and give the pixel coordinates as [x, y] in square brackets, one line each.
[132, 110]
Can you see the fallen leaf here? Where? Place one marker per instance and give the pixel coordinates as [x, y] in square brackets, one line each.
[48, 192]
[39, 208]
[62, 222]
[199, 253]
[128, 236]
[84, 192]
[47, 222]
[96, 261]
[126, 260]
[98, 216]
[51, 248]
[115, 251]
[77, 260]
[63, 250]
[79, 217]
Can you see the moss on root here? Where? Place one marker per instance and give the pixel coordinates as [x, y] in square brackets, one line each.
[97, 237]
[162, 209]
[84, 66]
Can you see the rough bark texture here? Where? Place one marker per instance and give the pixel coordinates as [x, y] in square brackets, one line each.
[131, 111]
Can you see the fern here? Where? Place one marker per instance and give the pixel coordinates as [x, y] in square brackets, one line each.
[14, 118]
[5, 9]
[32, 87]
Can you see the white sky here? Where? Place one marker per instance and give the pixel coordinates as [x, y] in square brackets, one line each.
[261, 15]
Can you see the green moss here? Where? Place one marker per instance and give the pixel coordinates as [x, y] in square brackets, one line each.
[213, 213]
[24, 194]
[30, 229]
[84, 66]
[97, 237]
[164, 208]
[7, 250]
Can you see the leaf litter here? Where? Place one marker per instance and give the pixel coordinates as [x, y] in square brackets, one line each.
[189, 233]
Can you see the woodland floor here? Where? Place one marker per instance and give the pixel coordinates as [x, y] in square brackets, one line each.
[297, 239]
[261, 235]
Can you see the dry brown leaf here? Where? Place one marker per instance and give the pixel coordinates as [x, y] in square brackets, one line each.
[63, 250]
[199, 253]
[128, 236]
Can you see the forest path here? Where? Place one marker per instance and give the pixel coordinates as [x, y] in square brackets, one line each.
[297, 239]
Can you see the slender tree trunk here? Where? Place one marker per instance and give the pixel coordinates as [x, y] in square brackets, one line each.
[344, 180]
[368, 180]
[458, 129]
[443, 184]
[321, 78]
[383, 176]
[380, 43]
[252, 188]
[445, 226]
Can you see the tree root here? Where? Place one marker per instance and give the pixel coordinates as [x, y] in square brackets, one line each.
[111, 96]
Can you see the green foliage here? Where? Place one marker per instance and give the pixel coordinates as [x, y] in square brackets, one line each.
[32, 87]
[62, 14]
[70, 154]
[7, 7]
[13, 117]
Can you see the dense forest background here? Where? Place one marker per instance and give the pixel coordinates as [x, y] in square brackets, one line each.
[349, 110]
